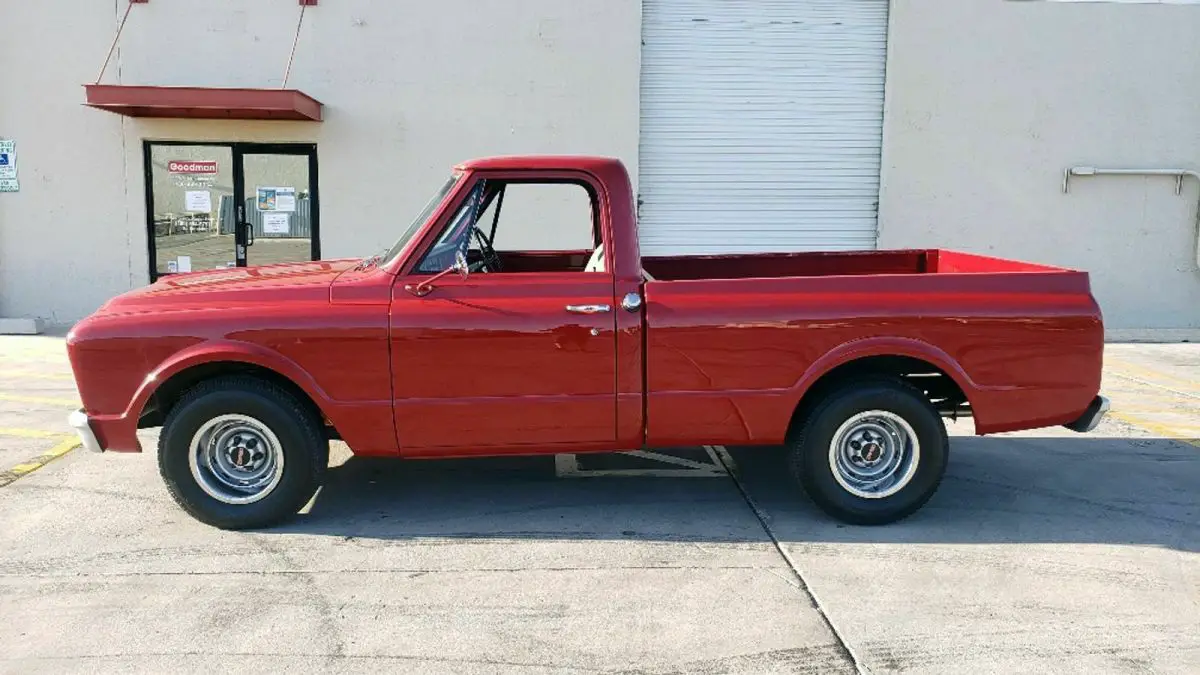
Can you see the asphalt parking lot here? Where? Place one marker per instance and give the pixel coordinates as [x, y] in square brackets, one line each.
[1045, 551]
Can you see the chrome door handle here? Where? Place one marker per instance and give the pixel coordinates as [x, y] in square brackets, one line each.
[588, 309]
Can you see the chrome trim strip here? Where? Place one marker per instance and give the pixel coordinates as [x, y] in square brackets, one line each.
[589, 309]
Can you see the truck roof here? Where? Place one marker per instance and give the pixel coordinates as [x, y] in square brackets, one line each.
[584, 162]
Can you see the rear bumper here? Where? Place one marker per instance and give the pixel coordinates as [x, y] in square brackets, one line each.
[1091, 417]
[78, 421]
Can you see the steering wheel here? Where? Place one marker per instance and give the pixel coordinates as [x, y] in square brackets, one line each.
[491, 260]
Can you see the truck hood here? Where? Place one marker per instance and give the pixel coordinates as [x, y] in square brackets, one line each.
[241, 285]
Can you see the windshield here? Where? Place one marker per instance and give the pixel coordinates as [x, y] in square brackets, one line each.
[421, 219]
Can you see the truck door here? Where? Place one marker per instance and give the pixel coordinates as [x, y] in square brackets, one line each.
[520, 354]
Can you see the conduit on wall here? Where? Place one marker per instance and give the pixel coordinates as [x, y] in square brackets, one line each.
[1178, 174]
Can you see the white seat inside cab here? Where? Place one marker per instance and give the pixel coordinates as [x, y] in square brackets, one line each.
[596, 262]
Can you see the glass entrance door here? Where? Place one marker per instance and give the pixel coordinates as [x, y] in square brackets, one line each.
[190, 199]
[217, 205]
[278, 214]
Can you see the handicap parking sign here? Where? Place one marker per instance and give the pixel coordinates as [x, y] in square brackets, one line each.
[8, 161]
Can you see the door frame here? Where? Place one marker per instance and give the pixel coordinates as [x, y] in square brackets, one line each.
[238, 151]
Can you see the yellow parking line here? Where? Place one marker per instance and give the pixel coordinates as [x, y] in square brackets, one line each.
[1191, 430]
[1158, 411]
[32, 433]
[12, 353]
[1156, 428]
[1155, 377]
[1139, 403]
[42, 400]
[47, 349]
[35, 375]
[1144, 384]
[67, 445]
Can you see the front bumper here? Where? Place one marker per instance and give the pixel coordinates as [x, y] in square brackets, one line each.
[78, 421]
[1092, 416]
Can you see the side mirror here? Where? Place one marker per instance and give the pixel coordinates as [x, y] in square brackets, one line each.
[426, 287]
[460, 264]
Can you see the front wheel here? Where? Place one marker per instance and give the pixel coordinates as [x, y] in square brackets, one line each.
[239, 452]
[872, 452]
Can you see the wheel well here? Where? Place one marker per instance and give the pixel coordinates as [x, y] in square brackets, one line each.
[942, 391]
[169, 392]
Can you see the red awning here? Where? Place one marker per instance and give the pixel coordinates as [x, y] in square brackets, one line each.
[204, 102]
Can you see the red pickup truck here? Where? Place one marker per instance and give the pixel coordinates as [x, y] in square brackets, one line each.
[446, 347]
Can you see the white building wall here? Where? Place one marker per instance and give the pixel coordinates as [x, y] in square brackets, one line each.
[65, 239]
[989, 101]
[410, 87]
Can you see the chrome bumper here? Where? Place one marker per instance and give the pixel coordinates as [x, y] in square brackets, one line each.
[78, 421]
[1092, 416]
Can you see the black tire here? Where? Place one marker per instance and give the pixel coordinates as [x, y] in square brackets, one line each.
[810, 450]
[304, 447]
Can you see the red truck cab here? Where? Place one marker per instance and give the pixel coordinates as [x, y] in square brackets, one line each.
[444, 346]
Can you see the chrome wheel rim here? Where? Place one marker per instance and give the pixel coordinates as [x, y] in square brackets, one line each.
[874, 454]
[236, 459]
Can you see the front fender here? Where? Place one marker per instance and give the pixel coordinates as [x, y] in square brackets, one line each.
[118, 432]
[224, 351]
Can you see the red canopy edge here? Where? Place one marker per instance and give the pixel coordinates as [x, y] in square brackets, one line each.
[204, 102]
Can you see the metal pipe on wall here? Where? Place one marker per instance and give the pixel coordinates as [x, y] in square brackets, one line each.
[1178, 174]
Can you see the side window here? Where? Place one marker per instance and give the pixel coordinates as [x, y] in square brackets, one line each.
[457, 234]
[542, 217]
[513, 227]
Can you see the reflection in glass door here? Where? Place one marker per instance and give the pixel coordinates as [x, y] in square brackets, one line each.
[279, 210]
[217, 205]
[190, 194]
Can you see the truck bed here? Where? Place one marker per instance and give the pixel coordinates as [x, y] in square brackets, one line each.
[822, 264]
[732, 340]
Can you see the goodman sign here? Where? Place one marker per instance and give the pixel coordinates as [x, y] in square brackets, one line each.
[187, 166]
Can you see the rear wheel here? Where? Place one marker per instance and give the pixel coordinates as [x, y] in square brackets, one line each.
[872, 452]
[238, 452]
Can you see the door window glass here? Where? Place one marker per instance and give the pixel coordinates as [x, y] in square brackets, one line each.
[458, 234]
[541, 217]
[192, 211]
[278, 207]
[526, 227]
[422, 218]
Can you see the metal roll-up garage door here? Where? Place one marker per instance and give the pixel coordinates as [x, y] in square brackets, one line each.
[761, 125]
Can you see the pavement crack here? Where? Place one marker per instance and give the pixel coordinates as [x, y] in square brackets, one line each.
[844, 648]
[785, 580]
[89, 491]
[821, 659]
[319, 599]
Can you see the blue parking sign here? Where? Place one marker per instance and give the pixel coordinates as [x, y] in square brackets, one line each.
[5, 159]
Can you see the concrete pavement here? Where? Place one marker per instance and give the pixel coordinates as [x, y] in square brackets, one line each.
[1043, 552]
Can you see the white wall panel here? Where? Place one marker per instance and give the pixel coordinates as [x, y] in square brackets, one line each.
[761, 124]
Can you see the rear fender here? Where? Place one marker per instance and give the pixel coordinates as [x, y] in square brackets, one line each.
[885, 346]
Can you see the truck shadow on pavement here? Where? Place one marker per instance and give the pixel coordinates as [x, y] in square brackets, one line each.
[996, 490]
